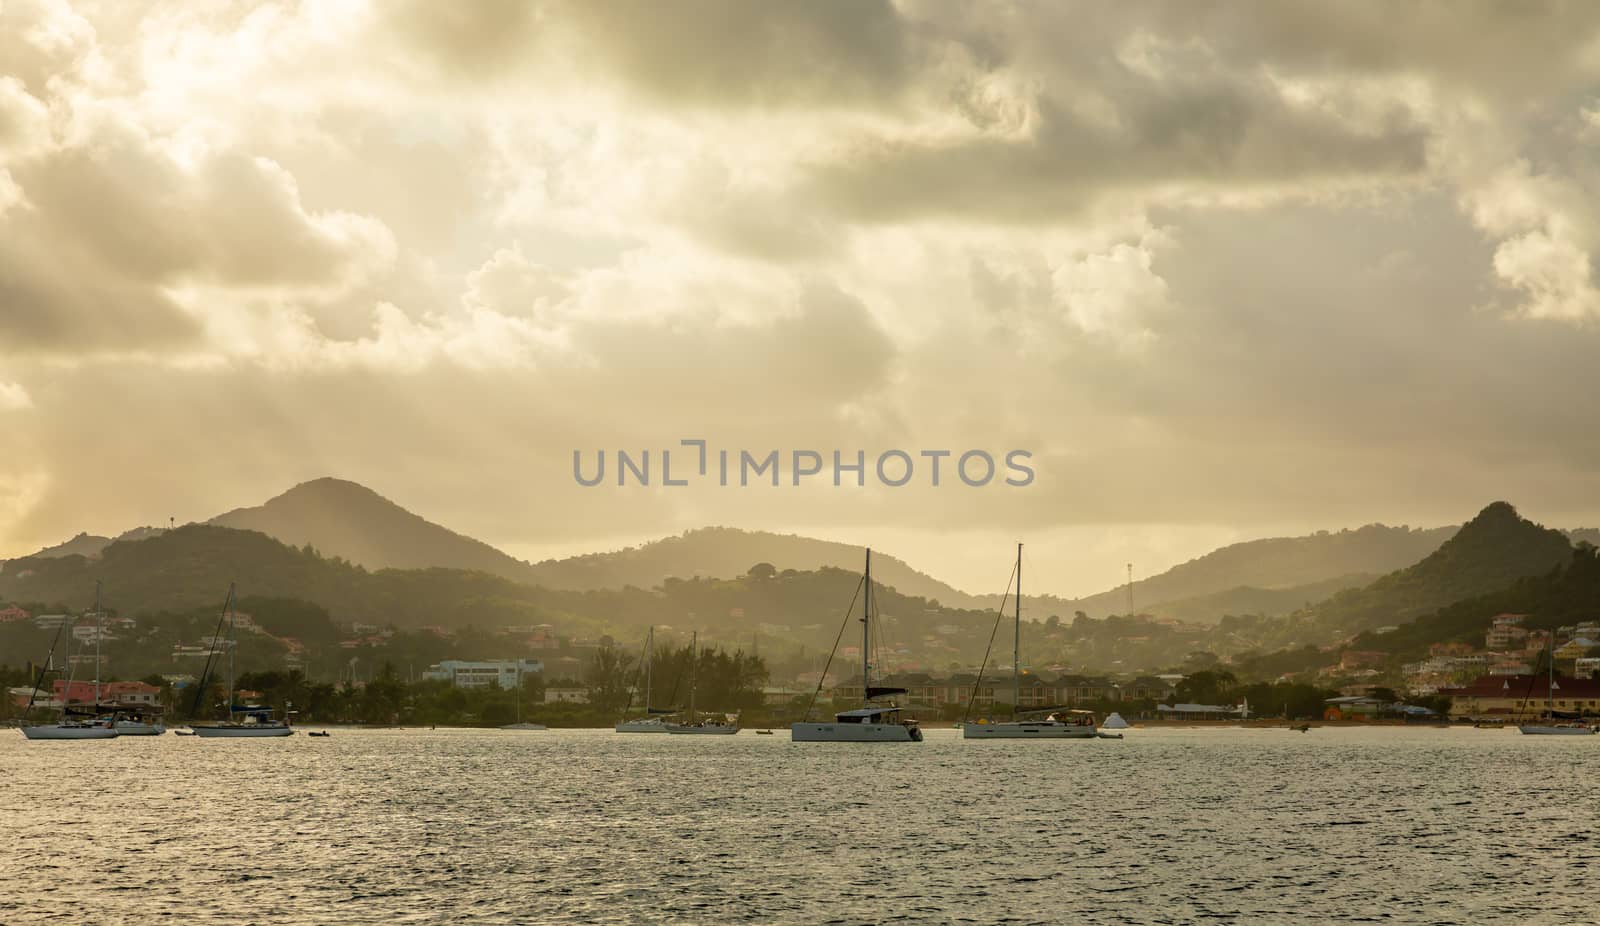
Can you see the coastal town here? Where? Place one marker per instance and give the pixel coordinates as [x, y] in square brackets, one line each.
[577, 680]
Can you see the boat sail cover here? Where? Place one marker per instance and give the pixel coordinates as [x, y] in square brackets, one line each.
[874, 691]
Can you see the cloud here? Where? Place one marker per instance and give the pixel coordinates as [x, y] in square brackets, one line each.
[13, 397]
[1219, 266]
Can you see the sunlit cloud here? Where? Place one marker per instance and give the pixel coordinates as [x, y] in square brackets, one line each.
[1224, 268]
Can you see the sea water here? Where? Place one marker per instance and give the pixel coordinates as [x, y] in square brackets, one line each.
[1396, 825]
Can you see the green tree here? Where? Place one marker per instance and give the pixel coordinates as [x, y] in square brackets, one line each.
[1209, 686]
[609, 678]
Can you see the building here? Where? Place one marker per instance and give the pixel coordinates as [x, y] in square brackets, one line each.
[13, 613]
[1575, 647]
[1502, 696]
[1202, 712]
[1355, 707]
[566, 691]
[1505, 631]
[1361, 659]
[87, 633]
[77, 692]
[501, 673]
[1147, 688]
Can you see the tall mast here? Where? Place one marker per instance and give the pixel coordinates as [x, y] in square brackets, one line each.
[231, 648]
[649, 663]
[99, 622]
[694, 669]
[866, 633]
[1016, 645]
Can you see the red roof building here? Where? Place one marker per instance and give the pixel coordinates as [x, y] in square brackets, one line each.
[1502, 695]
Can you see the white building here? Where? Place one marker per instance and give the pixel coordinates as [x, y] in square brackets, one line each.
[505, 673]
[566, 693]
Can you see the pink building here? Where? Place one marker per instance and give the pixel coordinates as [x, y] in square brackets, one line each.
[110, 692]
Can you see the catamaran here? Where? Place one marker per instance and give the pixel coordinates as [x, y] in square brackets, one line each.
[872, 722]
[243, 720]
[1055, 723]
[65, 728]
[651, 722]
[711, 725]
[1572, 725]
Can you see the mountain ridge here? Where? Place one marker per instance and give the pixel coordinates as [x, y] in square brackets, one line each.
[1268, 576]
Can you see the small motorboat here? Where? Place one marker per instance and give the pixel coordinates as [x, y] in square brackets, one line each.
[319, 733]
[763, 733]
[183, 733]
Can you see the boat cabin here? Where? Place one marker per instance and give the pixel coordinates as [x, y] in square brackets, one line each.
[1072, 717]
[871, 715]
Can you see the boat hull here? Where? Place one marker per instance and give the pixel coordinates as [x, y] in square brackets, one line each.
[1540, 730]
[678, 729]
[242, 731]
[135, 728]
[640, 726]
[57, 732]
[835, 732]
[1023, 730]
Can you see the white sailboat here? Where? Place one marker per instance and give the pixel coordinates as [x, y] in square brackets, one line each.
[244, 721]
[710, 726]
[94, 728]
[650, 722]
[521, 724]
[872, 722]
[1056, 723]
[1555, 727]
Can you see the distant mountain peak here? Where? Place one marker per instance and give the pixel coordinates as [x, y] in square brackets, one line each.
[1496, 511]
[345, 518]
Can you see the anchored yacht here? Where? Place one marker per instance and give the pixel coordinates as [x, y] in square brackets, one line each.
[1051, 723]
[872, 722]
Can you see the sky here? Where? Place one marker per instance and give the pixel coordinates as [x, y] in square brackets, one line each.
[1224, 270]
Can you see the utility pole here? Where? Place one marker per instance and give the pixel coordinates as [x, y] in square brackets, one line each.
[1130, 589]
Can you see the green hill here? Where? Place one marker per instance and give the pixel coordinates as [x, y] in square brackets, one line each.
[1246, 599]
[1488, 553]
[726, 552]
[189, 569]
[1565, 594]
[1274, 564]
[349, 520]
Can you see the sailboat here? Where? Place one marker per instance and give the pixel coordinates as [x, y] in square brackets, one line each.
[95, 728]
[520, 724]
[139, 722]
[1058, 723]
[709, 726]
[243, 720]
[650, 722]
[1555, 727]
[873, 722]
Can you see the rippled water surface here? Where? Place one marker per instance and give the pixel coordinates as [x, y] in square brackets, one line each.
[1166, 826]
